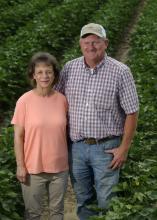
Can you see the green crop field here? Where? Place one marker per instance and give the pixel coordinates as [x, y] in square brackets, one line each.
[54, 26]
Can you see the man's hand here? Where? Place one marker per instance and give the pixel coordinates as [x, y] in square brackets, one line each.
[120, 153]
[119, 157]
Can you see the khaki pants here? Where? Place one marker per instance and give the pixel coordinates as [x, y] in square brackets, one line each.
[40, 187]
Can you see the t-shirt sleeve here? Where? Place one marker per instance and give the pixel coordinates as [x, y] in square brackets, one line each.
[127, 93]
[65, 103]
[19, 113]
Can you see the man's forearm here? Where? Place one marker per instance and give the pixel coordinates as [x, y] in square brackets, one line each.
[129, 130]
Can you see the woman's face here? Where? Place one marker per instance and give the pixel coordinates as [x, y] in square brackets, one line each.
[43, 75]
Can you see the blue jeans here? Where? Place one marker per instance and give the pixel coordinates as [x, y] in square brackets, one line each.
[91, 177]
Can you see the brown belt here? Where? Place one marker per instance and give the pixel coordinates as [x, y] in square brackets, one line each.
[92, 141]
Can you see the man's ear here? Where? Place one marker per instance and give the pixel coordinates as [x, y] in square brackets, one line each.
[106, 42]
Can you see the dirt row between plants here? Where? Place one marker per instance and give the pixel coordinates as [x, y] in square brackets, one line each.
[70, 204]
[124, 45]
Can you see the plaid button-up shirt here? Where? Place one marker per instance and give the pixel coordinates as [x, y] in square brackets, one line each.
[99, 99]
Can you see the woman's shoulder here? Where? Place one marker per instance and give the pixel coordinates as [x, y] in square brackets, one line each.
[26, 96]
[61, 97]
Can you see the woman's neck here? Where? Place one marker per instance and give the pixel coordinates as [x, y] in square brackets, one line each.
[44, 91]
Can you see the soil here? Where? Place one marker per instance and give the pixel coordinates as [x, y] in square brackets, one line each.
[124, 45]
[70, 204]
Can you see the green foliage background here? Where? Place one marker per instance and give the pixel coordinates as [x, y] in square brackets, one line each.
[56, 29]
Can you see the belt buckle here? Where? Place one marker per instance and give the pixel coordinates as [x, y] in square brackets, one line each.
[90, 141]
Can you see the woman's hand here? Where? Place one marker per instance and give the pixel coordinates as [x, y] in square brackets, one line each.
[21, 174]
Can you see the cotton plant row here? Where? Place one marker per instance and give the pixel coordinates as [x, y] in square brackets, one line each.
[137, 190]
[53, 31]
[143, 62]
[11, 204]
[114, 15]
[9, 3]
[18, 15]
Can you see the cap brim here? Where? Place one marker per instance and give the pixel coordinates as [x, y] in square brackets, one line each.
[92, 32]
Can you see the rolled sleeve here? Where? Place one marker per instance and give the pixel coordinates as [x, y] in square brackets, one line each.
[127, 93]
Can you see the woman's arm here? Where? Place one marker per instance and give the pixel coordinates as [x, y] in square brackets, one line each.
[19, 153]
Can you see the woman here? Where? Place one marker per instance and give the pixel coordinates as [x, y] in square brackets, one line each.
[40, 140]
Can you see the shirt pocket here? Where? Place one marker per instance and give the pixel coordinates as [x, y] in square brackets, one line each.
[104, 100]
[104, 105]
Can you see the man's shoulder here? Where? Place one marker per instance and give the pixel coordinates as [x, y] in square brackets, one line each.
[75, 61]
[117, 64]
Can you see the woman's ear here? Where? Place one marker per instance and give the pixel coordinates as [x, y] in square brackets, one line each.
[34, 77]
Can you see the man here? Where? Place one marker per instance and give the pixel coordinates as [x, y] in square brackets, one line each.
[103, 107]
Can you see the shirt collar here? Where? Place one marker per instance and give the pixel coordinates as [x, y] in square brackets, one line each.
[103, 61]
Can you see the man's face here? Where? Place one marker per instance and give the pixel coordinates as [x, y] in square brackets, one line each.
[93, 48]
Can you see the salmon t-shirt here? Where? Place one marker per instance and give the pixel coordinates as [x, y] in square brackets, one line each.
[44, 121]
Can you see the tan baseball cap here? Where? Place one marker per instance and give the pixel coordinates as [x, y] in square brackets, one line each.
[93, 28]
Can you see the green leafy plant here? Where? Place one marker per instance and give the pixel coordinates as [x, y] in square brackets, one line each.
[11, 203]
[11, 21]
[114, 19]
[56, 30]
[52, 31]
[9, 3]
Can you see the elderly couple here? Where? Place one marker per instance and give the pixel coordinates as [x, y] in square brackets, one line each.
[95, 97]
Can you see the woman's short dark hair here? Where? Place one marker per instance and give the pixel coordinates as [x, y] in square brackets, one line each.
[43, 57]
